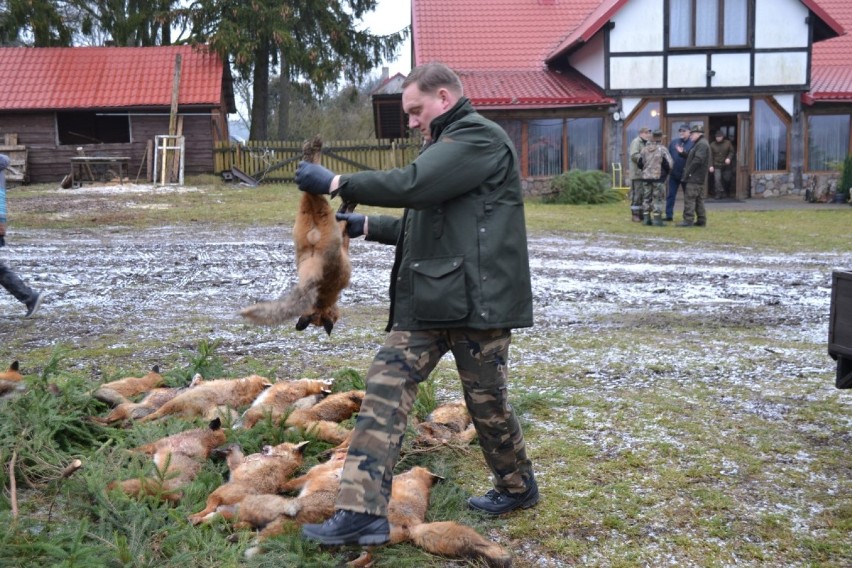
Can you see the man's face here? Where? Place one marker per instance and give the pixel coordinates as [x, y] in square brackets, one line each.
[694, 136]
[645, 135]
[422, 108]
[719, 138]
[684, 133]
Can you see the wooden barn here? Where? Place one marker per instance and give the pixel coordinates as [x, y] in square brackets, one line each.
[62, 103]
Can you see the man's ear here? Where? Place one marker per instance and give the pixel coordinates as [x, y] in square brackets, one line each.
[446, 98]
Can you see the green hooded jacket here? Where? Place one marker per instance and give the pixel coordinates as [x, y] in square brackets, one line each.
[461, 244]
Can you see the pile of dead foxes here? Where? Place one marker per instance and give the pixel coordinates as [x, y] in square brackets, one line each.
[264, 491]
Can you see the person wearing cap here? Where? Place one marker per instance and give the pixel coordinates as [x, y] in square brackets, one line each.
[678, 148]
[634, 150]
[694, 175]
[722, 152]
[656, 165]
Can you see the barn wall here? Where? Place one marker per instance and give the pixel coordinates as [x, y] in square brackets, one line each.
[49, 162]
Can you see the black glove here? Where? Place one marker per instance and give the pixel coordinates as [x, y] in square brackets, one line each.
[354, 223]
[313, 178]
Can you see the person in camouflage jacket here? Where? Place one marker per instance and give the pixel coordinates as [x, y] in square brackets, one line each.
[656, 165]
[460, 282]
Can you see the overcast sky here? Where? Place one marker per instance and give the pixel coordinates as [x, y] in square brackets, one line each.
[391, 16]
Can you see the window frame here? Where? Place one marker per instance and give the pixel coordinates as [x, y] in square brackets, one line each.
[720, 27]
[807, 136]
[93, 123]
[788, 125]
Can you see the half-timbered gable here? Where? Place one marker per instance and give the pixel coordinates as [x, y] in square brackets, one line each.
[740, 67]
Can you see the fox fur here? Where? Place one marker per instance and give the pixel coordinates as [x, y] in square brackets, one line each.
[322, 262]
[264, 472]
[315, 501]
[200, 400]
[128, 411]
[120, 391]
[178, 459]
[322, 419]
[407, 513]
[279, 398]
[449, 423]
[11, 379]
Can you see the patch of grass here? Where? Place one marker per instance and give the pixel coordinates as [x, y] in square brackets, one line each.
[722, 452]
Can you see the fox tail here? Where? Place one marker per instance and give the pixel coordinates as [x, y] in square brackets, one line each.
[295, 302]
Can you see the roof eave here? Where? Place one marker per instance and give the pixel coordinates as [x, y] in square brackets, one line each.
[832, 27]
[585, 31]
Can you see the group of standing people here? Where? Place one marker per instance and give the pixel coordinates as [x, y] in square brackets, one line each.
[685, 163]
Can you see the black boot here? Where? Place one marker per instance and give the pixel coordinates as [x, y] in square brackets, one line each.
[497, 502]
[647, 218]
[349, 527]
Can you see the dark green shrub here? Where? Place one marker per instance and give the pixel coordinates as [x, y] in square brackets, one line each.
[845, 177]
[582, 187]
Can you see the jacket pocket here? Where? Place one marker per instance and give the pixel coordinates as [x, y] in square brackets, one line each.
[439, 292]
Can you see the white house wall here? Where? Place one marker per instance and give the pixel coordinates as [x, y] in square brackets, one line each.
[707, 106]
[779, 24]
[590, 60]
[780, 68]
[687, 71]
[634, 56]
[786, 102]
[730, 69]
[644, 72]
[638, 20]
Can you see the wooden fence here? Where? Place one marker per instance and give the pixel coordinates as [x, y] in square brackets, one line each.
[276, 160]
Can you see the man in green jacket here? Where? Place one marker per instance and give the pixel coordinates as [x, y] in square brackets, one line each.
[460, 282]
[694, 176]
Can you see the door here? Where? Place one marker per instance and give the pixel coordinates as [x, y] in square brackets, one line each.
[744, 157]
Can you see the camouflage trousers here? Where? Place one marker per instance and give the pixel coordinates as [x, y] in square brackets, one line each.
[405, 360]
[693, 203]
[653, 197]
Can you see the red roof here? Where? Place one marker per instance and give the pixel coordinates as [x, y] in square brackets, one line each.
[107, 77]
[499, 49]
[502, 51]
[831, 68]
[535, 88]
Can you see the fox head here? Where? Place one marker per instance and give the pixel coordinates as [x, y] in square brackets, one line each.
[285, 450]
[12, 373]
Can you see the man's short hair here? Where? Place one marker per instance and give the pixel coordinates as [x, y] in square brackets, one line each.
[430, 77]
[644, 129]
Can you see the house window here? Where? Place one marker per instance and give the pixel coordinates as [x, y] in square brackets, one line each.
[585, 143]
[78, 128]
[513, 129]
[828, 141]
[543, 142]
[770, 138]
[648, 115]
[708, 23]
[545, 147]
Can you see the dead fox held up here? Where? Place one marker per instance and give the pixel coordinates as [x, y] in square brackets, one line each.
[322, 261]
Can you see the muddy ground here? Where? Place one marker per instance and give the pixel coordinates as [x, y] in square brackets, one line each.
[164, 289]
[618, 315]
